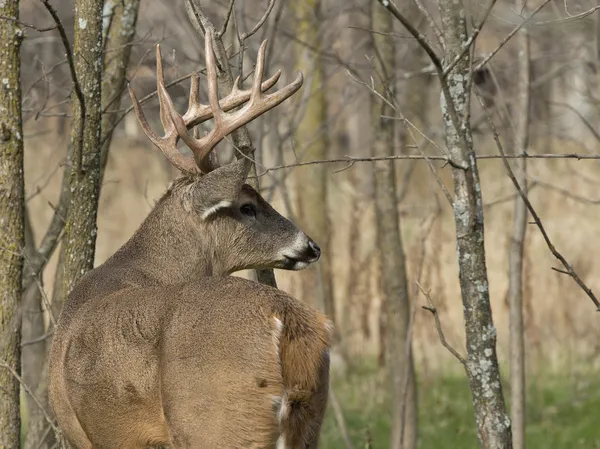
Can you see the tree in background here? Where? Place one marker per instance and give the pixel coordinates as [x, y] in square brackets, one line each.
[391, 250]
[312, 143]
[12, 238]
[79, 242]
[481, 363]
[517, 243]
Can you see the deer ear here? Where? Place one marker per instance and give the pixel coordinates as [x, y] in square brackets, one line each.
[220, 188]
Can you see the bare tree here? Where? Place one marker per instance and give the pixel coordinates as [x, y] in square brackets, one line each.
[517, 242]
[312, 143]
[391, 250]
[118, 38]
[12, 239]
[79, 243]
[481, 364]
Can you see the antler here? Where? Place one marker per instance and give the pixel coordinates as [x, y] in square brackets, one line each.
[176, 126]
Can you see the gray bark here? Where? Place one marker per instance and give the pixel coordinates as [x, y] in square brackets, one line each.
[33, 355]
[515, 270]
[12, 240]
[493, 423]
[390, 245]
[79, 242]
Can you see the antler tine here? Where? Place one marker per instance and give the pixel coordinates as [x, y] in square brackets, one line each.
[225, 123]
[176, 126]
[258, 72]
[167, 144]
[160, 88]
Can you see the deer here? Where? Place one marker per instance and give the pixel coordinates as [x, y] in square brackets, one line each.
[159, 345]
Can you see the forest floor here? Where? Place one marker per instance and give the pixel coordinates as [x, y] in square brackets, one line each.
[562, 412]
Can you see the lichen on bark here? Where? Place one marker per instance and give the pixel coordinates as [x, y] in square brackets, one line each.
[79, 240]
[12, 239]
[493, 423]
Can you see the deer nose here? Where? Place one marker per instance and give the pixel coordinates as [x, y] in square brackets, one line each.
[314, 248]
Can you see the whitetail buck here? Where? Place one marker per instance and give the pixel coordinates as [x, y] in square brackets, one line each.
[159, 346]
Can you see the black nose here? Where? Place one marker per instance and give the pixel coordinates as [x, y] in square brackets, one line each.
[314, 248]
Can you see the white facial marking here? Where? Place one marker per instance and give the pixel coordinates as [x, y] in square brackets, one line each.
[220, 205]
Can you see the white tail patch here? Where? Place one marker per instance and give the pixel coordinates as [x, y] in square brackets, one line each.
[215, 208]
[284, 409]
[277, 333]
[280, 442]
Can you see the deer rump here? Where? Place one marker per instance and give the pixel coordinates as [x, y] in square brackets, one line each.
[223, 364]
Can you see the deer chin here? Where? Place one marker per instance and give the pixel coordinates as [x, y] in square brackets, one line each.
[295, 264]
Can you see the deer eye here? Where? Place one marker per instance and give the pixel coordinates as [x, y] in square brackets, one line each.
[248, 210]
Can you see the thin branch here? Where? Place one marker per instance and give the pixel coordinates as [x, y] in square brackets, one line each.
[28, 25]
[7, 367]
[76, 85]
[434, 26]
[339, 418]
[227, 17]
[570, 18]
[536, 218]
[260, 22]
[420, 37]
[438, 325]
[38, 339]
[353, 159]
[509, 36]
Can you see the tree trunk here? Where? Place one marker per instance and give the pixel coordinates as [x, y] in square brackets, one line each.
[312, 143]
[123, 16]
[79, 242]
[515, 269]
[389, 239]
[493, 424]
[32, 357]
[12, 239]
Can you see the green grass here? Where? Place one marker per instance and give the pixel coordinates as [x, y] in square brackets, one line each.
[562, 413]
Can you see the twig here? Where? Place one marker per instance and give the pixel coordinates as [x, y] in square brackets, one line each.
[6, 366]
[339, 418]
[28, 25]
[438, 326]
[509, 36]
[227, 17]
[37, 339]
[76, 85]
[536, 218]
[353, 159]
[434, 26]
[260, 22]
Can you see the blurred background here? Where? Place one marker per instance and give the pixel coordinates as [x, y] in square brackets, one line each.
[330, 118]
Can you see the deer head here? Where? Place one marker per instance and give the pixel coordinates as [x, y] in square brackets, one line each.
[231, 225]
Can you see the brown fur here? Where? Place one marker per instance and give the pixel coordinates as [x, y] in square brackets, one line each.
[158, 346]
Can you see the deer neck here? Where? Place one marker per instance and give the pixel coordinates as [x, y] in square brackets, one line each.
[170, 248]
